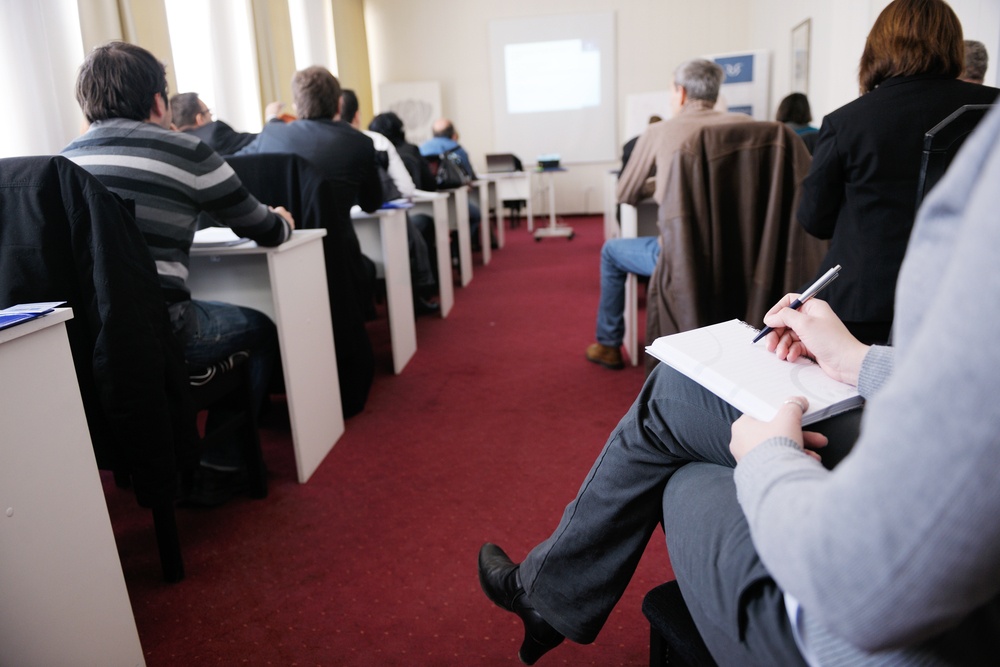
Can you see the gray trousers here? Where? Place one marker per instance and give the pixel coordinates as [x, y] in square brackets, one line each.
[576, 576]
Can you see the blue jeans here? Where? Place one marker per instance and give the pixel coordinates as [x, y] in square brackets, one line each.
[210, 331]
[620, 257]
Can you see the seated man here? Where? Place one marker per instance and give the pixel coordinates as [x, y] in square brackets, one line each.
[172, 177]
[400, 185]
[190, 114]
[887, 558]
[344, 155]
[445, 140]
[694, 93]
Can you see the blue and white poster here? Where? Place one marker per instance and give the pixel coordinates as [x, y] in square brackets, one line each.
[746, 88]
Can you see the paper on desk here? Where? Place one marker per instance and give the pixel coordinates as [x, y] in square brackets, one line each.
[217, 237]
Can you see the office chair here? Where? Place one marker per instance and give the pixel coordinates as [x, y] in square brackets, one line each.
[942, 142]
[673, 636]
[65, 237]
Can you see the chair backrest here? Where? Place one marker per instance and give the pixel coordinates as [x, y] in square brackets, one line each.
[66, 237]
[316, 202]
[731, 245]
[942, 142]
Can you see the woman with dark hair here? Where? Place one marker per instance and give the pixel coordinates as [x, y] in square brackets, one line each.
[861, 190]
[389, 125]
[795, 113]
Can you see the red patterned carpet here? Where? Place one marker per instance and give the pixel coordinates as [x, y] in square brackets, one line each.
[485, 436]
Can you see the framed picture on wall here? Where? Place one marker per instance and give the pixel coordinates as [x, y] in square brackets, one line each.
[800, 57]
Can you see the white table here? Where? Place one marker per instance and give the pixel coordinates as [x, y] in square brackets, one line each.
[383, 240]
[510, 185]
[458, 218]
[636, 221]
[553, 229]
[481, 189]
[288, 284]
[64, 600]
[612, 228]
[435, 204]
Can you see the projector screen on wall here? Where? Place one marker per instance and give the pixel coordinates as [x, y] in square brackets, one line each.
[553, 87]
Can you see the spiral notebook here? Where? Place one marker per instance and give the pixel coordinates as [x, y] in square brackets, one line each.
[722, 359]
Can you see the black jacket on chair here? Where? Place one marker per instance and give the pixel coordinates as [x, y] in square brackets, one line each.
[64, 237]
[862, 187]
[316, 202]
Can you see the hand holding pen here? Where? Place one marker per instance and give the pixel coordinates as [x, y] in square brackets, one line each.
[810, 292]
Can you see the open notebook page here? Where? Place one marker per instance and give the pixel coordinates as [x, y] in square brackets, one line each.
[722, 359]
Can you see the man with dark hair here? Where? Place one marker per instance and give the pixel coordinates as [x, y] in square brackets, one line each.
[172, 178]
[190, 114]
[344, 155]
[976, 62]
[694, 93]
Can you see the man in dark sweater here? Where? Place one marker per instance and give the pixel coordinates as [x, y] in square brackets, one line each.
[172, 178]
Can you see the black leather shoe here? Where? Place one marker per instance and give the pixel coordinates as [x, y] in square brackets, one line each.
[498, 577]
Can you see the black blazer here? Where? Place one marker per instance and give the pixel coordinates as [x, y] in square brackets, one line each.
[290, 181]
[862, 186]
[65, 237]
[345, 155]
[223, 139]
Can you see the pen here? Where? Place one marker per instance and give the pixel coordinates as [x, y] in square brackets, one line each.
[810, 292]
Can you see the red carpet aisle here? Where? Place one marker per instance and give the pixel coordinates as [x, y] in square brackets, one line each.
[485, 436]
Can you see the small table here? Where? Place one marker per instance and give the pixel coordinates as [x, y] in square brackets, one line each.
[383, 240]
[288, 284]
[636, 221]
[64, 595]
[553, 229]
[435, 204]
[458, 218]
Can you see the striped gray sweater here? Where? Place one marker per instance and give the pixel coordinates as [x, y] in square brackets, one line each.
[172, 177]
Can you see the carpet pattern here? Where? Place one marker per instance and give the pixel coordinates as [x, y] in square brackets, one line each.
[485, 436]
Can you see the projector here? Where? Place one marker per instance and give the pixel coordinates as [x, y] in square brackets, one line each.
[549, 161]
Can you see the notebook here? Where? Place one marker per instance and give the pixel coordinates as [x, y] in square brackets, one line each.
[25, 312]
[722, 359]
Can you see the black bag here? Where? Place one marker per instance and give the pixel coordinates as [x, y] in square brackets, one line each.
[449, 172]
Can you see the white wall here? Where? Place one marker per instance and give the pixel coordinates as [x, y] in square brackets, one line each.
[448, 41]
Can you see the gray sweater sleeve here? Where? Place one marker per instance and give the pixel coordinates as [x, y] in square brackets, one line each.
[901, 541]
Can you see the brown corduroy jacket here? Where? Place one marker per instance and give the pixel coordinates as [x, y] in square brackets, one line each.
[731, 246]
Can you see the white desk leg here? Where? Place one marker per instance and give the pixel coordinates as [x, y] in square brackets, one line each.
[483, 197]
[308, 356]
[629, 229]
[501, 228]
[442, 242]
[64, 595]
[398, 288]
[459, 210]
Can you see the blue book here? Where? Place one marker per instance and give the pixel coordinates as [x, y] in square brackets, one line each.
[25, 312]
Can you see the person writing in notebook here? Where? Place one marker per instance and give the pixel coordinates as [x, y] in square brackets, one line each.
[884, 553]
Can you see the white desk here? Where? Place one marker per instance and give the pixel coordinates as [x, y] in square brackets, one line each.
[458, 218]
[288, 284]
[553, 229]
[511, 185]
[612, 229]
[435, 204]
[382, 235]
[636, 221]
[481, 189]
[64, 595]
